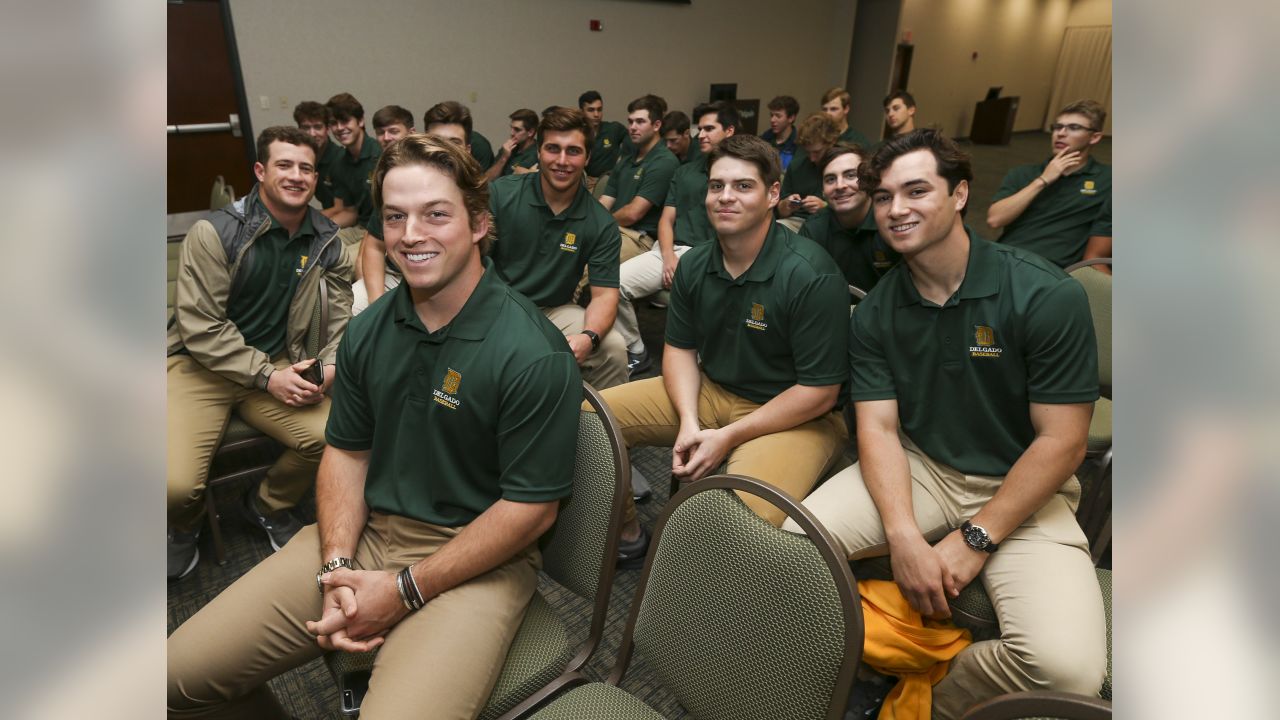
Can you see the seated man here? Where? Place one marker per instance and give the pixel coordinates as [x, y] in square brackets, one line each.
[610, 138]
[765, 311]
[450, 120]
[638, 185]
[782, 132]
[676, 135]
[835, 103]
[353, 201]
[974, 371]
[390, 123]
[900, 113]
[549, 229]
[1050, 208]
[802, 186]
[455, 407]
[683, 225]
[313, 119]
[847, 228]
[249, 278]
[519, 154]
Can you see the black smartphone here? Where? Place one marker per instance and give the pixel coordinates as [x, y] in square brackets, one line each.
[797, 201]
[314, 374]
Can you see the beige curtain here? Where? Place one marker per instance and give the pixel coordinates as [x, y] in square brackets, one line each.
[1084, 70]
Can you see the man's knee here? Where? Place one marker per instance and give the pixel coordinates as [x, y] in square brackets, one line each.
[1064, 664]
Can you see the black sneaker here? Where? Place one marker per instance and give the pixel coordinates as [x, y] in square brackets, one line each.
[280, 525]
[184, 553]
[640, 489]
[631, 554]
[637, 364]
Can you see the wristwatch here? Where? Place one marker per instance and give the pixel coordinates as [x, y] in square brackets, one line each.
[332, 565]
[977, 538]
[593, 337]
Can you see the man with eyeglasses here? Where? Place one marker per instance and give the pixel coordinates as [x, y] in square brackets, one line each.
[1051, 208]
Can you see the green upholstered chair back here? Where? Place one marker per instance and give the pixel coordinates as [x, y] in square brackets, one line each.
[740, 619]
[1097, 285]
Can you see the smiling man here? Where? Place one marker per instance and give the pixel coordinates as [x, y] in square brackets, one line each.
[549, 229]
[390, 124]
[974, 371]
[249, 278]
[313, 119]
[353, 199]
[638, 184]
[610, 138]
[847, 228]
[1054, 207]
[802, 187]
[455, 405]
[765, 312]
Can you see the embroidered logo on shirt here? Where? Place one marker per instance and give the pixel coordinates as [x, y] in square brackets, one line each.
[302, 265]
[756, 321]
[448, 389]
[570, 243]
[1089, 188]
[639, 172]
[984, 343]
[607, 142]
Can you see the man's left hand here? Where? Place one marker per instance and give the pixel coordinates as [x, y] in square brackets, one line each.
[962, 561]
[709, 448]
[580, 345]
[378, 603]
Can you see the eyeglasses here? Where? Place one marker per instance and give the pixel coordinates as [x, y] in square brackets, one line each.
[1071, 127]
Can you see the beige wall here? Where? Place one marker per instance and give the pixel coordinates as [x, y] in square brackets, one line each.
[497, 56]
[1089, 12]
[1017, 43]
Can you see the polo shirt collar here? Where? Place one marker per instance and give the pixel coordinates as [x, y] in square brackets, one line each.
[765, 264]
[368, 149]
[474, 319]
[577, 209]
[306, 229]
[981, 275]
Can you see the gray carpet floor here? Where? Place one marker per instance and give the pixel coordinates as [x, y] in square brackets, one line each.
[309, 692]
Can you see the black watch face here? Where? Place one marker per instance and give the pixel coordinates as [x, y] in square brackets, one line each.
[976, 537]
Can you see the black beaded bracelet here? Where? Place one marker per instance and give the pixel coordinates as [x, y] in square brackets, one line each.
[408, 587]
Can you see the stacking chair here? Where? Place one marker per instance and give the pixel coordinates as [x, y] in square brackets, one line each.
[221, 195]
[738, 619]
[1095, 496]
[857, 292]
[1037, 704]
[580, 554]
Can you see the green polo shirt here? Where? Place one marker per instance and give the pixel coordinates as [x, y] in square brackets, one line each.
[853, 137]
[1102, 224]
[688, 195]
[610, 140]
[265, 284]
[526, 158]
[649, 178]
[781, 323]
[863, 256]
[352, 178]
[1057, 222]
[694, 154]
[542, 254]
[324, 173]
[1017, 331]
[485, 408]
[481, 149]
[803, 178]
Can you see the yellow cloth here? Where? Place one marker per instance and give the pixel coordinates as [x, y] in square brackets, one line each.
[899, 643]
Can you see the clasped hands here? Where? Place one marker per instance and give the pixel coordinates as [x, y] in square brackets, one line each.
[697, 452]
[359, 608]
[931, 575]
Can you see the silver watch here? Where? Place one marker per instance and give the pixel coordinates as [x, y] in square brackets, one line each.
[332, 565]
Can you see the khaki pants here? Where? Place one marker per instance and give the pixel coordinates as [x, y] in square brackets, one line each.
[360, 294]
[792, 223]
[200, 403]
[791, 460]
[605, 367]
[439, 662]
[639, 277]
[633, 243]
[1041, 582]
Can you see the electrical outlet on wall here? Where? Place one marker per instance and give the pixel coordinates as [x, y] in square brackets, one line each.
[284, 102]
[264, 102]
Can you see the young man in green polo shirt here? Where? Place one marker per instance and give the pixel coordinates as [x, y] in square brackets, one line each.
[549, 230]
[835, 103]
[313, 119]
[900, 112]
[519, 154]
[1050, 208]
[847, 228]
[683, 225]
[450, 120]
[610, 136]
[249, 280]
[455, 405]
[974, 372]
[638, 184]
[353, 201]
[754, 356]
[677, 136]
[802, 186]
[782, 132]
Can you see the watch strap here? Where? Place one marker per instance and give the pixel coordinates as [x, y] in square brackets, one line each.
[593, 337]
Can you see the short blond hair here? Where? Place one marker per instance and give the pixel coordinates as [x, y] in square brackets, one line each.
[457, 163]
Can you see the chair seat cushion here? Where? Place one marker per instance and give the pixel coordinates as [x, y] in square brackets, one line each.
[238, 429]
[598, 702]
[1100, 427]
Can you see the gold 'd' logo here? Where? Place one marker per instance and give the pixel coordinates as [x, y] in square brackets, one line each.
[607, 143]
[1089, 188]
[1088, 184]
[984, 336]
[757, 312]
[570, 238]
[302, 264]
[451, 381]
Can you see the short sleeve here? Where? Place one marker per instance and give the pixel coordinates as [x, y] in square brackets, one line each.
[350, 425]
[681, 331]
[1015, 180]
[602, 266]
[870, 375]
[671, 191]
[374, 226]
[819, 331]
[1102, 223]
[654, 184]
[612, 188]
[1061, 350]
[538, 429]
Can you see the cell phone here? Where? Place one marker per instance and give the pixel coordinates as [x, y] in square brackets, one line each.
[797, 201]
[314, 374]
